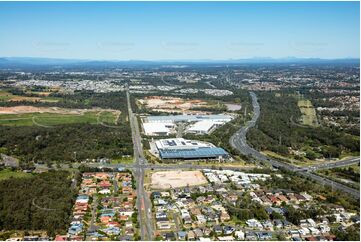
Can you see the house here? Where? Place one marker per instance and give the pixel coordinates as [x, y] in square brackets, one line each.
[254, 223]
[217, 229]
[287, 224]
[267, 225]
[160, 215]
[207, 231]
[187, 220]
[264, 235]
[306, 196]
[75, 229]
[239, 235]
[283, 198]
[182, 235]
[104, 191]
[191, 235]
[251, 236]
[170, 236]
[198, 233]
[163, 225]
[294, 233]
[338, 218]
[278, 223]
[311, 222]
[226, 238]
[314, 231]
[156, 195]
[201, 219]
[300, 198]
[325, 229]
[228, 230]
[304, 231]
[224, 216]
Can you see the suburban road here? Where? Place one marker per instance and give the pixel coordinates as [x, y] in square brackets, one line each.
[143, 202]
[239, 142]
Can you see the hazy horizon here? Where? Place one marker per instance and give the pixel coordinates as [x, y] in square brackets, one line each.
[159, 31]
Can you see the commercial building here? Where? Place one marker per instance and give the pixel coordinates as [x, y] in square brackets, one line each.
[156, 129]
[204, 126]
[188, 118]
[179, 148]
[198, 124]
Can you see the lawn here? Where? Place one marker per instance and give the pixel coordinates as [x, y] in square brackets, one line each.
[49, 119]
[309, 116]
[124, 160]
[7, 173]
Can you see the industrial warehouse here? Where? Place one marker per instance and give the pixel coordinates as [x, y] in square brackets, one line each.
[179, 148]
[197, 124]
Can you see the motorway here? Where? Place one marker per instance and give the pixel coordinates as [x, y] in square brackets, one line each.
[341, 163]
[239, 142]
[143, 202]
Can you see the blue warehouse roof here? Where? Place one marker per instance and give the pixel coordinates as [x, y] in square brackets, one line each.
[201, 153]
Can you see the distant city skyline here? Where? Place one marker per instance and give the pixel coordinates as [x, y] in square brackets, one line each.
[180, 30]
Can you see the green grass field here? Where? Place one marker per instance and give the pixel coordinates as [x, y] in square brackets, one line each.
[6, 174]
[309, 116]
[49, 119]
[7, 96]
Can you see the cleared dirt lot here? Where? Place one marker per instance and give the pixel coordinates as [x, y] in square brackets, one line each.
[172, 104]
[173, 179]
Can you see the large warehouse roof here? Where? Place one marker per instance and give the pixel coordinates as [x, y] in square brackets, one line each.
[189, 118]
[180, 143]
[157, 128]
[203, 126]
[209, 152]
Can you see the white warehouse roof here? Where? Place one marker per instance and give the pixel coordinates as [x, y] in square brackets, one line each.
[157, 128]
[203, 126]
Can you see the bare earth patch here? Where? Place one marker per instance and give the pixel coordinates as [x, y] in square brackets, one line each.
[171, 104]
[173, 179]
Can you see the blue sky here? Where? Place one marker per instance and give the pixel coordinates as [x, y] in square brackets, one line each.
[179, 30]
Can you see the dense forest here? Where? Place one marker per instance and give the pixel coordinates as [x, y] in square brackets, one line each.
[72, 142]
[41, 202]
[278, 128]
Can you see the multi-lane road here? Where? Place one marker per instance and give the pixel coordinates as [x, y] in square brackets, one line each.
[239, 142]
[143, 203]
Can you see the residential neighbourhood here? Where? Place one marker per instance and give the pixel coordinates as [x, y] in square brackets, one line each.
[180, 121]
[104, 208]
[207, 212]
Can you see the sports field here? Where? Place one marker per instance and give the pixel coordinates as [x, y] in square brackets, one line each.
[49, 118]
[309, 116]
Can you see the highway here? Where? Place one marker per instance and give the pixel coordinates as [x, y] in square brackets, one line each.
[143, 203]
[239, 142]
[341, 163]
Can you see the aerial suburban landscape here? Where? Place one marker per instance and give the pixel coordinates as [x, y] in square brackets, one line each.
[168, 149]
